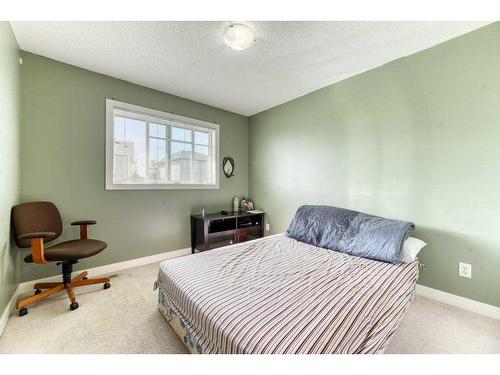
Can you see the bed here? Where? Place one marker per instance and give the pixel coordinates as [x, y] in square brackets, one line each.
[280, 295]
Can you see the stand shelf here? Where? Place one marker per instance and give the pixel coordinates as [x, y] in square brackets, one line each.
[217, 230]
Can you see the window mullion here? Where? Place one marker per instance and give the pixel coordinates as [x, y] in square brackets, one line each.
[210, 158]
[192, 157]
[147, 152]
[168, 146]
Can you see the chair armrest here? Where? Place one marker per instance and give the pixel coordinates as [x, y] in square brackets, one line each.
[83, 227]
[84, 222]
[37, 248]
[29, 236]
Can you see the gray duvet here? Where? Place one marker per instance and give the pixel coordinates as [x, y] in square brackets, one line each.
[350, 232]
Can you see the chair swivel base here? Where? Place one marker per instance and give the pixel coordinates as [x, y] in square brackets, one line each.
[53, 288]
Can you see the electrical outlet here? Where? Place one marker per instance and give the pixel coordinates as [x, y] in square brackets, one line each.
[268, 227]
[465, 270]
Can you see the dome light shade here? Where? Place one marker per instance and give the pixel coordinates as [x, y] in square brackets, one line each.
[238, 36]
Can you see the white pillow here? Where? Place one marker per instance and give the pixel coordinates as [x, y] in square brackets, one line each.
[411, 247]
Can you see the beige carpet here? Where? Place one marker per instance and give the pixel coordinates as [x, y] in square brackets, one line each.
[124, 319]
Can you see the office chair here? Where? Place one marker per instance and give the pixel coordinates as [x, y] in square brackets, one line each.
[34, 224]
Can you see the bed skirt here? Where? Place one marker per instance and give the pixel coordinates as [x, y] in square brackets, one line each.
[178, 323]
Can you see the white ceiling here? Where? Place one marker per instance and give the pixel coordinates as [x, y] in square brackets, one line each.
[190, 59]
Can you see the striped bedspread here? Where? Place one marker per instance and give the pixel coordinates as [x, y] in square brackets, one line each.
[279, 295]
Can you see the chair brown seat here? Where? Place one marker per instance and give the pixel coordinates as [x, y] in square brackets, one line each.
[36, 223]
[71, 250]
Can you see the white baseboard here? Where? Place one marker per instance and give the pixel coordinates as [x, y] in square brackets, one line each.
[460, 302]
[8, 309]
[27, 286]
[111, 268]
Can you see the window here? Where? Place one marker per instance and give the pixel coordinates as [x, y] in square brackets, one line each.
[149, 149]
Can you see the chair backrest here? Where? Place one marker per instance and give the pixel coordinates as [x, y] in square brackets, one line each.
[35, 217]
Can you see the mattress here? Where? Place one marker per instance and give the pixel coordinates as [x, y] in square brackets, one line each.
[279, 295]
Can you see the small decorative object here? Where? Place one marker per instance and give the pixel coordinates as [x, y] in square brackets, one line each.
[203, 210]
[228, 166]
[236, 203]
[246, 205]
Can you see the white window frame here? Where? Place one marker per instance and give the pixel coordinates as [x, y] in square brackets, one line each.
[154, 114]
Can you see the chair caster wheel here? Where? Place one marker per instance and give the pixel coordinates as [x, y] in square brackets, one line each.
[73, 306]
[23, 311]
[38, 291]
[106, 285]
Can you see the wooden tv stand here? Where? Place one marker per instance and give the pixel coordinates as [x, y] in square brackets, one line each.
[216, 230]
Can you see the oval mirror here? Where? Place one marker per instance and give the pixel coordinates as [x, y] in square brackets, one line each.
[228, 166]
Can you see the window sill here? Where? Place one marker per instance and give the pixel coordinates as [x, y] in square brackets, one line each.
[160, 187]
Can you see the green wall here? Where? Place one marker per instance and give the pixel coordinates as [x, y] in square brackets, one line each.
[9, 156]
[63, 160]
[416, 139]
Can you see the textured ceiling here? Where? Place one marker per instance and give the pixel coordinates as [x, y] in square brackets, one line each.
[190, 59]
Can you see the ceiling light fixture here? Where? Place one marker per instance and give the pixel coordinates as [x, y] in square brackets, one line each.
[238, 36]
